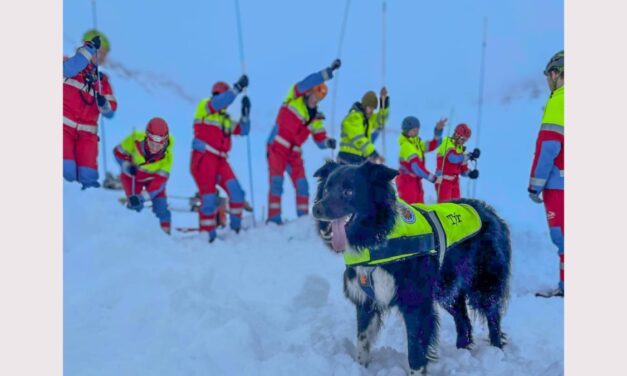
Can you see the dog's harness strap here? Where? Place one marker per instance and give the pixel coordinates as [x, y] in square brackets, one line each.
[439, 234]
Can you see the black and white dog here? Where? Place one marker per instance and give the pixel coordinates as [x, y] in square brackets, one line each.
[360, 203]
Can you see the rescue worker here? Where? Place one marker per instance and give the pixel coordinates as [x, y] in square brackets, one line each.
[452, 161]
[87, 93]
[412, 159]
[298, 117]
[146, 159]
[361, 127]
[547, 170]
[213, 128]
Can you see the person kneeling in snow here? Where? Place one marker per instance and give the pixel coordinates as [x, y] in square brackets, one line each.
[146, 159]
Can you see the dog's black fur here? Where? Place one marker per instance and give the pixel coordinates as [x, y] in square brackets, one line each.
[476, 271]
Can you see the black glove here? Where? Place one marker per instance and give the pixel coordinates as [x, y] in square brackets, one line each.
[245, 106]
[101, 100]
[94, 42]
[242, 83]
[132, 170]
[136, 202]
[474, 154]
[384, 103]
[335, 64]
[473, 174]
[331, 143]
[535, 196]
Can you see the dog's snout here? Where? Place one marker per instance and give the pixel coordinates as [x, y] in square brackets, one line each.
[317, 210]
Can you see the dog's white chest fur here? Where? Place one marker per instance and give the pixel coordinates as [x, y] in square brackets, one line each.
[382, 282]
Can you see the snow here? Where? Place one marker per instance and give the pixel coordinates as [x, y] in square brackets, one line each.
[268, 301]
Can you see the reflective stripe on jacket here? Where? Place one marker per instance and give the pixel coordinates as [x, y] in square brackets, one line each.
[547, 169]
[79, 101]
[358, 135]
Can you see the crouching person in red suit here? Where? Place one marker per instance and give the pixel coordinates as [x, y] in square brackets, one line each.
[146, 160]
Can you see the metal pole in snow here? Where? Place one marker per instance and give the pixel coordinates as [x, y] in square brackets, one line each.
[240, 39]
[100, 119]
[383, 49]
[473, 192]
[337, 73]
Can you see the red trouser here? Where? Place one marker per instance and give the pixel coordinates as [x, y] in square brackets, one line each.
[208, 170]
[80, 156]
[410, 188]
[279, 160]
[448, 190]
[159, 202]
[554, 206]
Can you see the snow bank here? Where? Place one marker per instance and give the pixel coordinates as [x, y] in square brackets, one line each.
[268, 301]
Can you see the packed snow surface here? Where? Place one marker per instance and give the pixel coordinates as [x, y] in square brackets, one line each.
[268, 301]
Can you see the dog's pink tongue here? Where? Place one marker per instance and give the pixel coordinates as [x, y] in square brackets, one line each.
[338, 239]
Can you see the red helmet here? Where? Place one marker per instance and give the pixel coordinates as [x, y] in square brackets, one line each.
[462, 130]
[157, 130]
[219, 88]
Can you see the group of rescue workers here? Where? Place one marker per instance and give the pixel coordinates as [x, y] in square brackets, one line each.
[145, 157]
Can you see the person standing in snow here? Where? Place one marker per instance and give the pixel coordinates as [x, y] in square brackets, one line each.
[412, 160]
[452, 161]
[87, 93]
[547, 169]
[213, 128]
[146, 159]
[361, 127]
[298, 118]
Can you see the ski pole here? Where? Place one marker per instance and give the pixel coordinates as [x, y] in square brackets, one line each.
[446, 140]
[480, 106]
[100, 120]
[240, 40]
[337, 73]
[383, 48]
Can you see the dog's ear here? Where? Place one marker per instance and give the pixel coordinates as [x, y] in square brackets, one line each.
[377, 172]
[324, 171]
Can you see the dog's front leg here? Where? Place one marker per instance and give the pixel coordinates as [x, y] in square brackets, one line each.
[421, 323]
[368, 325]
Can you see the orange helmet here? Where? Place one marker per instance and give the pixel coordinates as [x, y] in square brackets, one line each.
[320, 91]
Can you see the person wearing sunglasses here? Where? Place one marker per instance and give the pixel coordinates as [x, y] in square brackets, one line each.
[547, 169]
[452, 161]
[213, 128]
[145, 158]
[87, 93]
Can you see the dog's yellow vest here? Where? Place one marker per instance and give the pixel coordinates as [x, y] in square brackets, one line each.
[421, 230]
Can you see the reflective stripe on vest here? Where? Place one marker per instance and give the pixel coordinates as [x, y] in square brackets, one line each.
[217, 152]
[79, 85]
[297, 111]
[209, 122]
[91, 128]
[283, 142]
[557, 128]
[207, 222]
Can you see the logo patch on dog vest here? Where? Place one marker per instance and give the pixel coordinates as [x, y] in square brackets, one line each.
[406, 213]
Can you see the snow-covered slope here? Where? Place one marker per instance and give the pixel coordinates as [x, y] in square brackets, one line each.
[265, 302]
